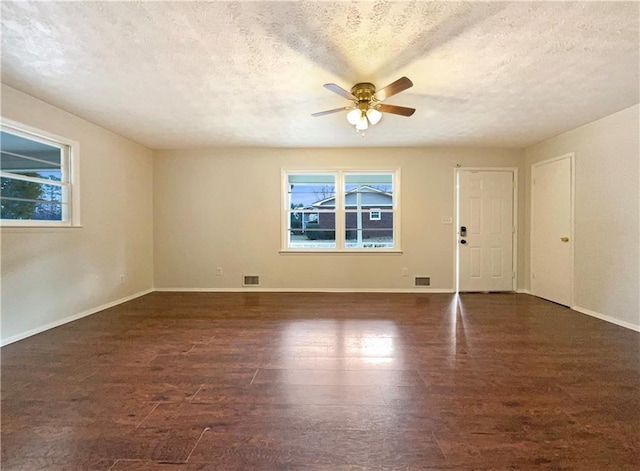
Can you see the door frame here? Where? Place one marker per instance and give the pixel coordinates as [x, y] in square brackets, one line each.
[572, 161]
[456, 210]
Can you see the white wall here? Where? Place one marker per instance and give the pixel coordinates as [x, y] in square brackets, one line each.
[222, 208]
[607, 213]
[51, 275]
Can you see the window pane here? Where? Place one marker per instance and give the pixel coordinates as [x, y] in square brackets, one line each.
[20, 189]
[299, 220]
[15, 209]
[361, 220]
[312, 179]
[320, 233]
[312, 191]
[21, 155]
[368, 190]
[363, 232]
[369, 179]
[369, 238]
[309, 197]
[30, 170]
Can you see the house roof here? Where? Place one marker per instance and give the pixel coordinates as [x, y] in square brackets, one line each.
[367, 188]
[175, 75]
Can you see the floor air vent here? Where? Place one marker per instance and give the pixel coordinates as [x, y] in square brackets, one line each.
[423, 281]
[250, 280]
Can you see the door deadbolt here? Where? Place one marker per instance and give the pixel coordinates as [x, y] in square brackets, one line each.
[463, 231]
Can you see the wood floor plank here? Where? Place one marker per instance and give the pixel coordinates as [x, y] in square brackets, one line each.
[291, 394]
[339, 377]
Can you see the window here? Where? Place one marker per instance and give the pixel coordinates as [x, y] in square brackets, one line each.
[311, 209]
[340, 211]
[35, 179]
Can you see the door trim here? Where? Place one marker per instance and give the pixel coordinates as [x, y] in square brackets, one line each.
[456, 206]
[572, 161]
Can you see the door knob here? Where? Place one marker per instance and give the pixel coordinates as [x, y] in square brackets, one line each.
[564, 239]
[463, 242]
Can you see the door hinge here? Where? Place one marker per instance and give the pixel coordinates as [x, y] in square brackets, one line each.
[533, 276]
[513, 274]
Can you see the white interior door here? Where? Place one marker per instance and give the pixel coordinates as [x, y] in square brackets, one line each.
[551, 244]
[485, 230]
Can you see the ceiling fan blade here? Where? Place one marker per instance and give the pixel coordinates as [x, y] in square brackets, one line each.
[335, 110]
[339, 90]
[393, 109]
[396, 87]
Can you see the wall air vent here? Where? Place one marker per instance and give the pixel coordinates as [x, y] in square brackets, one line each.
[423, 281]
[250, 280]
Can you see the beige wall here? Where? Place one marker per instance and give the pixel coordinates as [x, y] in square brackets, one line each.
[49, 275]
[607, 200]
[222, 208]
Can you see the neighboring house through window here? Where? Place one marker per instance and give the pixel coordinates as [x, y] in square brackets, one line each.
[36, 178]
[341, 210]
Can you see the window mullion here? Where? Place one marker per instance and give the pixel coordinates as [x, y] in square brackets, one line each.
[64, 164]
[340, 212]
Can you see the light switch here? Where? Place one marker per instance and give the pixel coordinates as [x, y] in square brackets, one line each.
[446, 220]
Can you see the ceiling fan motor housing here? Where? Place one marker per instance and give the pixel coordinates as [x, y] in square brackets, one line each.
[364, 92]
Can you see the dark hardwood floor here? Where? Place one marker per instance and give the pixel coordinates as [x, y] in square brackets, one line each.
[336, 382]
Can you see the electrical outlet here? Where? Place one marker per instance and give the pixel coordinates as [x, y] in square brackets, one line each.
[219, 271]
[123, 278]
[405, 272]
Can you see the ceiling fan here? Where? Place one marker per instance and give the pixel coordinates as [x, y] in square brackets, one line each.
[367, 105]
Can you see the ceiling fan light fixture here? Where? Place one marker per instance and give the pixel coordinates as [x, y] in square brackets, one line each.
[374, 116]
[353, 116]
[362, 123]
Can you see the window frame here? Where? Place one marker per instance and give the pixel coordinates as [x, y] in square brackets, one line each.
[69, 165]
[340, 211]
[377, 212]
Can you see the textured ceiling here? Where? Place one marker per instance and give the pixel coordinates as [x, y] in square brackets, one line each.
[202, 74]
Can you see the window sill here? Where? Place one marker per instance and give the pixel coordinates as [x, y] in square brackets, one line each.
[43, 228]
[343, 251]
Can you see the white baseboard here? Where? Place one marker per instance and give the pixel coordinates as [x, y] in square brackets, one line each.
[72, 318]
[603, 317]
[523, 291]
[305, 290]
